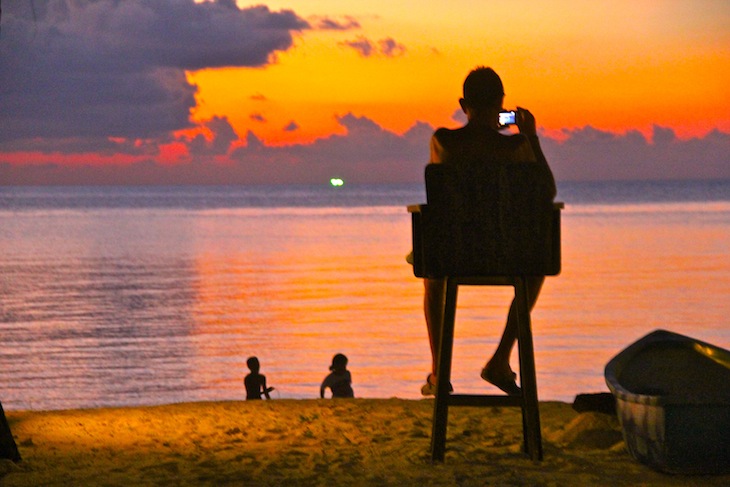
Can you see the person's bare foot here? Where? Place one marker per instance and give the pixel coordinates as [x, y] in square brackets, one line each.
[503, 381]
[429, 388]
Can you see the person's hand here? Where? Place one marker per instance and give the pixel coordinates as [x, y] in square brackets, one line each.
[526, 122]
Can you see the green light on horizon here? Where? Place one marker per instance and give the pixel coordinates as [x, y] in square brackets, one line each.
[337, 182]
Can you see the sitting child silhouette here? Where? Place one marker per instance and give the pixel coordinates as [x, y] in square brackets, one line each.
[255, 383]
[339, 380]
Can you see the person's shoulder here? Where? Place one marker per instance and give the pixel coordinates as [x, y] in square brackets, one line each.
[448, 138]
[442, 133]
[443, 143]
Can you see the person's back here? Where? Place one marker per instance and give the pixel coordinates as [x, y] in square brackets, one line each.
[340, 383]
[476, 144]
[339, 380]
[254, 384]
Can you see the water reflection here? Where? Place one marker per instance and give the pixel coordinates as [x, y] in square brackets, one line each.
[129, 306]
[295, 305]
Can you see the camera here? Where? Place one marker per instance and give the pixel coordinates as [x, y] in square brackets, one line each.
[508, 117]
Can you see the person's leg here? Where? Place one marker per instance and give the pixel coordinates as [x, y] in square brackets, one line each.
[434, 299]
[498, 366]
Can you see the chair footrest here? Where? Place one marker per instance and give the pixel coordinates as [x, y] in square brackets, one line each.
[480, 400]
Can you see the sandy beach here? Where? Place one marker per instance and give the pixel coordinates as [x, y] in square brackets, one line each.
[318, 442]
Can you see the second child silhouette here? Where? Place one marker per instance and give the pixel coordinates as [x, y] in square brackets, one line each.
[339, 380]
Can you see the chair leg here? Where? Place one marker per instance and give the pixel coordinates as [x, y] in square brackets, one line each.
[441, 403]
[528, 380]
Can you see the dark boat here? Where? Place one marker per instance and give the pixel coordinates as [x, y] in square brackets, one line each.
[673, 402]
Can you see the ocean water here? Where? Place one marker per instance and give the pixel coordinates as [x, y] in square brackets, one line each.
[115, 296]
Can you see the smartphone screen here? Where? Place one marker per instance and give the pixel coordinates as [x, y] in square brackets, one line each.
[507, 118]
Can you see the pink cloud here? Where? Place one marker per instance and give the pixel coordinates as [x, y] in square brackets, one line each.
[368, 153]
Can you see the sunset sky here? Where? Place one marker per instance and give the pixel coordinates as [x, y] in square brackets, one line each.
[173, 91]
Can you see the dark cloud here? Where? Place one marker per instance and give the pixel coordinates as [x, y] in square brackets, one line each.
[369, 153]
[104, 146]
[328, 23]
[219, 143]
[388, 47]
[257, 117]
[291, 127]
[592, 154]
[115, 68]
[366, 153]
[459, 116]
[362, 45]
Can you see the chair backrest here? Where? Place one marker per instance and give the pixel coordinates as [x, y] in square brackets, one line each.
[495, 219]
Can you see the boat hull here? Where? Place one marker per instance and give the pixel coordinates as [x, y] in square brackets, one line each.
[673, 402]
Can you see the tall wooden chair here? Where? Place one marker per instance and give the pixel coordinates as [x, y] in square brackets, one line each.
[491, 225]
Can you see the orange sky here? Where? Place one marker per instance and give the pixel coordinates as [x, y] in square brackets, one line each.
[614, 65]
[133, 84]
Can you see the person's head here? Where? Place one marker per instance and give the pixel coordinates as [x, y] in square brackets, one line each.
[483, 93]
[339, 362]
[253, 364]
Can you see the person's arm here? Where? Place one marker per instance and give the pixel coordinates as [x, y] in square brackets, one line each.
[325, 384]
[265, 390]
[528, 127]
[437, 148]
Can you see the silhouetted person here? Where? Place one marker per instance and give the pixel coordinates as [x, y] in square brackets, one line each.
[479, 142]
[339, 380]
[255, 383]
